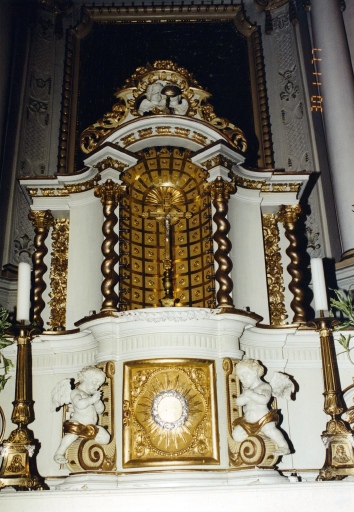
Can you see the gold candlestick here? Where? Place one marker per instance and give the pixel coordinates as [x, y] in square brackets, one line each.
[19, 451]
[338, 436]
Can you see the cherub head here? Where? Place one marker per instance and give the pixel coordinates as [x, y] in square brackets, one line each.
[91, 378]
[249, 371]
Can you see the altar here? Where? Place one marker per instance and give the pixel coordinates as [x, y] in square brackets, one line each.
[160, 269]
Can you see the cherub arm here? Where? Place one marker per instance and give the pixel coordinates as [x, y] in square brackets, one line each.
[261, 394]
[81, 402]
[243, 399]
[99, 406]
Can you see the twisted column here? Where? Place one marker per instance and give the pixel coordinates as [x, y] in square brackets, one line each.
[220, 191]
[42, 221]
[110, 194]
[288, 216]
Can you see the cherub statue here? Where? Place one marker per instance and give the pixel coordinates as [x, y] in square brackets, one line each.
[85, 404]
[154, 102]
[255, 396]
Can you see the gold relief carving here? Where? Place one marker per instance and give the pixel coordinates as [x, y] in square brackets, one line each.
[179, 94]
[145, 134]
[87, 454]
[128, 139]
[110, 192]
[182, 132]
[82, 187]
[59, 274]
[279, 187]
[274, 270]
[110, 163]
[41, 219]
[220, 190]
[163, 130]
[218, 160]
[198, 137]
[171, 406]
[289, 214]
[256, 450]
[97, 131]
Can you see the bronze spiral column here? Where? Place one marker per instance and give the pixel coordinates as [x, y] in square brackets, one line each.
[220, 191]
[109, 193]
[289, 216]
[42, 221]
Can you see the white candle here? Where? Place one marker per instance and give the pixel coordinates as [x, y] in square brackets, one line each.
[23, 292]
[319, 285]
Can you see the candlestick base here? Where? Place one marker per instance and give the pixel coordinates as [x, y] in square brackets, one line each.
[18, 468]
[338, 436]
[19, 451]
[338, 440]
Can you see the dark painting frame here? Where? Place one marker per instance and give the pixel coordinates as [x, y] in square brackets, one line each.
[112, 18]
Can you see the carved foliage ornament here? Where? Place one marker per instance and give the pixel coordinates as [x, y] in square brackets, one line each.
[274, 270]
[163, 88]
[58, 273]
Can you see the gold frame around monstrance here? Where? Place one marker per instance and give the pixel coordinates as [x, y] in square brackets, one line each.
[161, 14]
[169, 413]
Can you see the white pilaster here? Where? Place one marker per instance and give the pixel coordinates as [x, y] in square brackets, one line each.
[337, 90]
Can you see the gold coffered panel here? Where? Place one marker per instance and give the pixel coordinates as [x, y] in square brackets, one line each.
[169, 413]
[166, 186]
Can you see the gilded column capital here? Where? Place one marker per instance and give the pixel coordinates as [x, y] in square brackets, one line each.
[220, 190]
[289, 214]
[41, 219]
[110, 192]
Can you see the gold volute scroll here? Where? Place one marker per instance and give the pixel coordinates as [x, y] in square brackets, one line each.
[274, 270]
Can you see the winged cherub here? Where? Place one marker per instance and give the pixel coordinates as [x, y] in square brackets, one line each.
[85, 404]
[255, 396]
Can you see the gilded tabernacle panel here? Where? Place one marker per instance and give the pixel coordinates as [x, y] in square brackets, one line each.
[169, 413]
[165, 233]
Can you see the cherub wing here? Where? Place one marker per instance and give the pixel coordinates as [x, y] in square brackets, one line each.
[282, 386]
[61, 394]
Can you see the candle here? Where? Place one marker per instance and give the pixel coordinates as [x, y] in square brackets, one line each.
[23, 292]
[319, 285]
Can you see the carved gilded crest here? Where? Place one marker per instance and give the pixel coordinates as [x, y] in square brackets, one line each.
[165, 89]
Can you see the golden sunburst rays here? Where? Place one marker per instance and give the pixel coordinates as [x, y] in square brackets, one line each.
[170, 409]
[158, 195]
